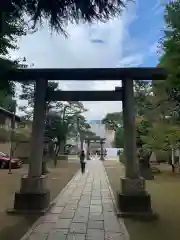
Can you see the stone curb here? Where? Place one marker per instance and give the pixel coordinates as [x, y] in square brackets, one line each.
[121, 222]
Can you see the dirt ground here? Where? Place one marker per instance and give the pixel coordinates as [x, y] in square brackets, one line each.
[15, 226]
[165, 194]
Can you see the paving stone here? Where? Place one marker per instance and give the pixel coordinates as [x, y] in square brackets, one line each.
[63, 223]
[44, 227]
[96, 195]
[70, 207]
[80, 219]
[75, 198]
[56, 235]
[66, 196]
[73, 201]
[108, 215]
[60, 204]
[84, 204]
[78, 228]
[82, 211]
[95, 198]
[105, 200]
[51, 218]
[108, 207]
[95, 225]
[87, 190]
[57, 210]
[93, 234]
[72, 236]
[85, 197]
[95, 208]
[77, 194]
[114, 236]
[112, 226]
[87, 187]
[67, 214]
[38, 236]
[96, 217]
[96, 202]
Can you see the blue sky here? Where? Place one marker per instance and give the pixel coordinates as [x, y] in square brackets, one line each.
[147, 28]
[128, 41]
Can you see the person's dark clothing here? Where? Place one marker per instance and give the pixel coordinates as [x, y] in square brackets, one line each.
[82, 162]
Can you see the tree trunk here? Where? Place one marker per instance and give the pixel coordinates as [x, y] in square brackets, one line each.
[173, 159]
[57, 150]
[179, 159]
[44, 168]
[62, 146]
[82, 144]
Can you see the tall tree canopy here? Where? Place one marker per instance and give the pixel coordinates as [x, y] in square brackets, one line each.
[12, 27]
[59, 13]
[170, 57]
[113, 120]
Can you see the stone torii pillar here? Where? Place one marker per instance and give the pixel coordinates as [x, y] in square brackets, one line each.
[133, 198]
[33, 194]
[102, 152]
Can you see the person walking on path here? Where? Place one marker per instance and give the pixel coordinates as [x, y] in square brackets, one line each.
[82, 161]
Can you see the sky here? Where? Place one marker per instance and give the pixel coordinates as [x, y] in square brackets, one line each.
[128, 41]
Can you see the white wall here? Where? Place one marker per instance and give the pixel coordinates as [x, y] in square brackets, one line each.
[100, 130]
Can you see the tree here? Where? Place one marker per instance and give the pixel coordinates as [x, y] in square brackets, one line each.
[142, 94]
[170, 57]
[59, 13]
[119, 138]
[142, 130]
[56, 130]
[27, 94]
[11, 28]
[166, 92]
[113, 120]
[59, 129]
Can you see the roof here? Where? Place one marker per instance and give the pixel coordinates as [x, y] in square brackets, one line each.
[9, 114]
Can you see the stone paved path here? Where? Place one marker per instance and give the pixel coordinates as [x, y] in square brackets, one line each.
[83, 211]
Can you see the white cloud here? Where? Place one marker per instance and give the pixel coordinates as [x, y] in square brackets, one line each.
[98, 45]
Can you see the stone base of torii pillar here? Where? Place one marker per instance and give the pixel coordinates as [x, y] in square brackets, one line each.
[33, 195]
[133, 200]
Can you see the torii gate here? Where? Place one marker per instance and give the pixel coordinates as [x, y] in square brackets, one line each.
[33, 194]
[98, 139]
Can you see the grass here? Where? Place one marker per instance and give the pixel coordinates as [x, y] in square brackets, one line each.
[165, 194]
[15, 226]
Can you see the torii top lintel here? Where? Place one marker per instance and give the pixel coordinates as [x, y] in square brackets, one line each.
[84, 74]
[94, 138]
